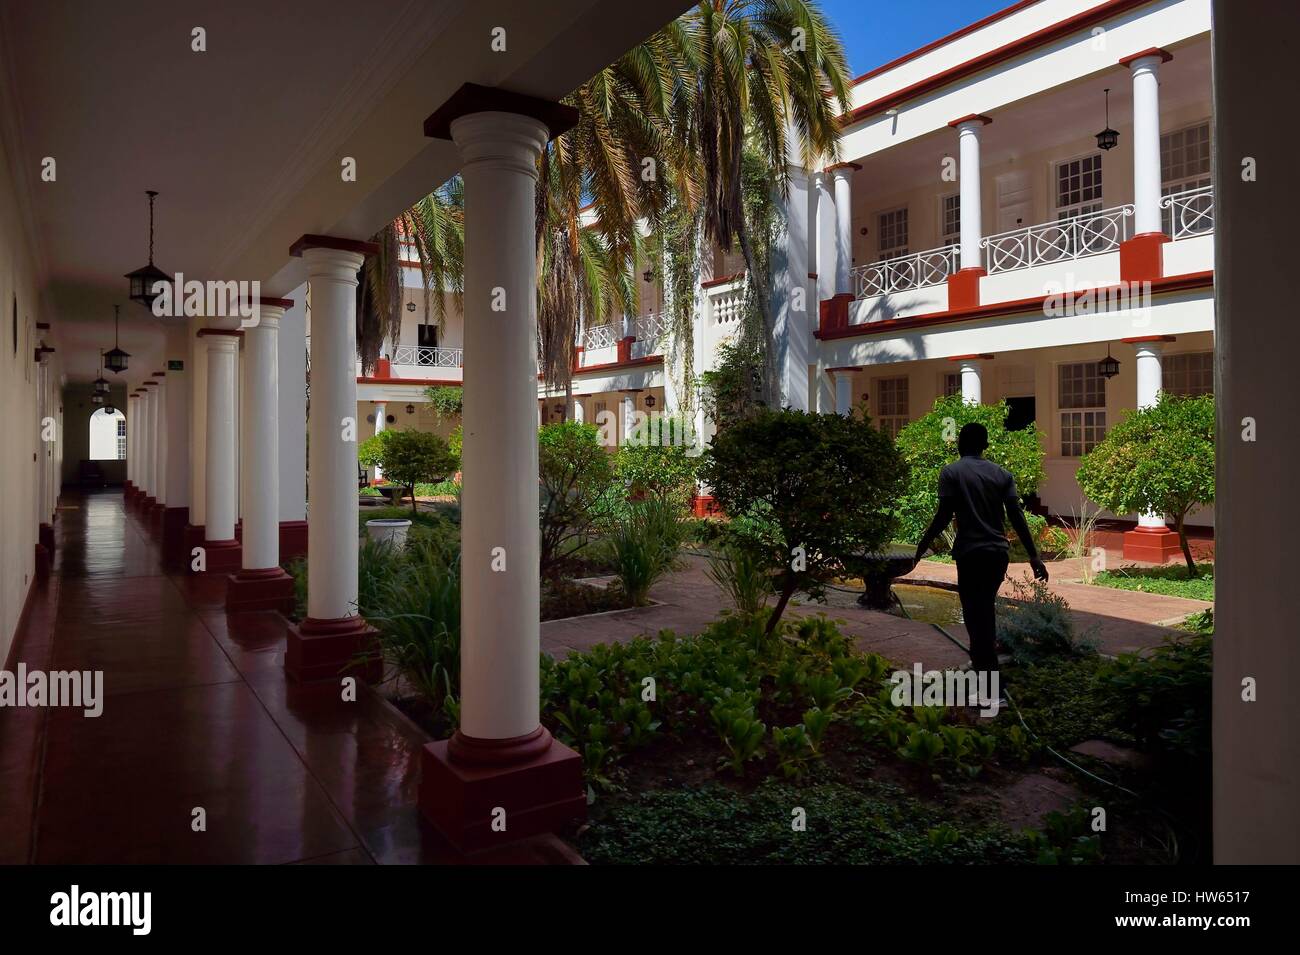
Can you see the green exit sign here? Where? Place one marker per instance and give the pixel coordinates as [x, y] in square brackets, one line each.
[175, 364]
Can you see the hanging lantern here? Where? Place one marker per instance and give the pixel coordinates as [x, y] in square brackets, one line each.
[143, 279]
[1107, 138]
[109, 409]
[410, 409]
[115, 358]
[650, 401]
[97, 399]
[1108, 367]
[101, 383]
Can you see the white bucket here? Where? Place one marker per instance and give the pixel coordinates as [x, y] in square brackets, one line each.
[388, 530]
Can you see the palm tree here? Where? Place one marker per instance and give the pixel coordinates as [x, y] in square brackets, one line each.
[435, 229]
[763, 69]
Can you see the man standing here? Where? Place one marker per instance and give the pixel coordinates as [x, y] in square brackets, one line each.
[979, 493]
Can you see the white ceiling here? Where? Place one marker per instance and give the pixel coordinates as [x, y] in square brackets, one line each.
[243, 141]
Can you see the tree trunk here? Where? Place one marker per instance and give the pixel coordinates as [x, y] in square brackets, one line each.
[784, 599]
[1187, 548]
[414, 512]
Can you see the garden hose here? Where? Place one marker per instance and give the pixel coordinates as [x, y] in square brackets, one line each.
[1065, 759]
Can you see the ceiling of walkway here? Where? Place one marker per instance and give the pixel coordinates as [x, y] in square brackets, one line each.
[244, 141]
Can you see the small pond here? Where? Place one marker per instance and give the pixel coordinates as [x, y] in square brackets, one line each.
[929, 604]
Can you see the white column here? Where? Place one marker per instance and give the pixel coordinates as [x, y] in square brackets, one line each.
[843, 392]
[971, 391]
[332, 435]
[261, 426]
[381, 415]
[628, 417]
[147, 434]
[843, 173]
[500, 587]
[159, 398]
[1149, 380]
[198, 440]
[177, 414]
[219, 523]
[968, 137]
[132, 425]
[1146, 141]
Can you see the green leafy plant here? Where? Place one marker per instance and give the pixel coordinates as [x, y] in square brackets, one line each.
[1164, 695]
[929, 444]
[793, 748]
[1158, 459]
[409, 458]
[645, 547]
[1034, 625]
[740, 730]
[738, 573]
[575, 474]
[665, 472]
[818, 490]
[447, 400]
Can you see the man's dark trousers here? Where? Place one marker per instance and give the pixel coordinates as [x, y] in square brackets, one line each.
[979, 575]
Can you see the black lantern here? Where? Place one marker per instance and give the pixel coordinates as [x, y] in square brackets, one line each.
[410, 409]
[101, 383]
[97, 399]
[648, 274]
[1107, 138]
[115, 358]
[410, 306]
[109, 409]
[649, 401]
[143, 279]
[1108, 367]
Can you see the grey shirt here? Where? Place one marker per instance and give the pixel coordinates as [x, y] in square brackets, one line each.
[979, 492]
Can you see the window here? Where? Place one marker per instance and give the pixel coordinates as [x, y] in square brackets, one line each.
[891, 405]
[951, 384]
[950, 219]
[1081, 396]
[107, 436]
[893, 233]
[1078, 186]
[1185, 165]
[428, 336]
[1189, 374]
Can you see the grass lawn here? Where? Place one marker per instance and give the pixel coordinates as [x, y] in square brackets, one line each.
[1171, 580]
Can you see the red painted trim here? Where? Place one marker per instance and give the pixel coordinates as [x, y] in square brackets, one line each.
[407, 381]
[160, 374]
[611, 365]
[1174, 283]
[1149, 338]
[310, 241]
[281, 302]
[1057, 31]
[43, 326]
[944, 40]
[845, 368]
[474, 98]
[204, 332]
[969, 118]
[856, 167]
[985, 355]
[1165, 55]
[722, 281]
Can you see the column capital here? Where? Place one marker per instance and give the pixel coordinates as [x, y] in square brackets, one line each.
[843, 168]
[473, 98]
[1133, 60]
[1146, 339]
[269, 312]
[971, 359]
[970, 121]
[338, 243]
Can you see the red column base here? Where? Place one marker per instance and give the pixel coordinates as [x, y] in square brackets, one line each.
[45, 534]
[222, 557]
[42, 562]
[1142, 258]
[964, 288]
[128, 491]
[833, 312]
[264, 589]
[703, 505]
[293, 540]
[329, 649]
[535, 779]
[174, 522]
[1154, 545]
[191, 538]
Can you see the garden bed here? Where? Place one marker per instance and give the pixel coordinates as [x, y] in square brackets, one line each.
[1172, 580]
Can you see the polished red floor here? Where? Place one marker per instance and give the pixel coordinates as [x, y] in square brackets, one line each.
[197, 715]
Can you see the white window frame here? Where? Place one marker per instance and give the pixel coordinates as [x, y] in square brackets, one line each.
[1082, 206]
[949, 383]
[892, 421]
[1173, 184]
[894, 251]
[1083, 420]
[949, 238]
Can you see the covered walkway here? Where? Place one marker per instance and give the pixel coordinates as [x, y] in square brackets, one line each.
[198, 714]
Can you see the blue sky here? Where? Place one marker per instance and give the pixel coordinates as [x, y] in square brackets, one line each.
[877, 31]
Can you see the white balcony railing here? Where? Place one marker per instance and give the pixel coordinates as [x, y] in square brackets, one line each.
[650, 329]
[917, 270]
[602, 336]
[1190, 212]
[727, 301]
[1091, 233]
[424, 357]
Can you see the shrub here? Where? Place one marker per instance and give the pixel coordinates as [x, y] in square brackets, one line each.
[664, 472]
[817, 489]
[1035, 625]
[1158, 459]
[645, 547]
[738, 574]
[447, 400]
[576, 476]
[733, 390]
[1164, 695]
[409, 458]
[929, 443]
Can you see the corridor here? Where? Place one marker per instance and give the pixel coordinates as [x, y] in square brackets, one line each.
[197, 715]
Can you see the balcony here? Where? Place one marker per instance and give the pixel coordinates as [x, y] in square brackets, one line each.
[1080, 250]
[420, 356]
